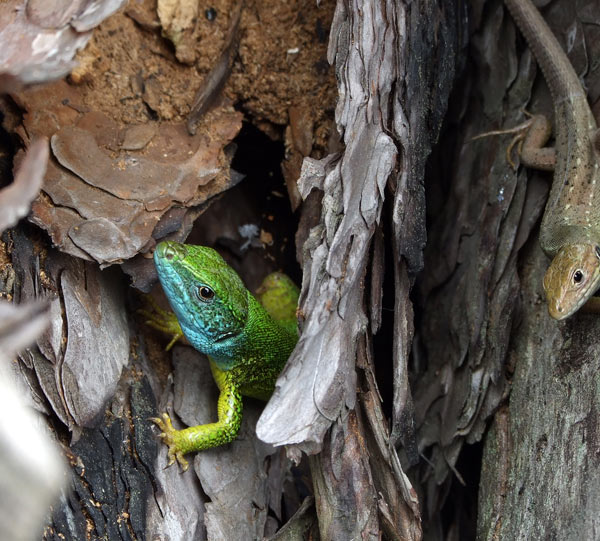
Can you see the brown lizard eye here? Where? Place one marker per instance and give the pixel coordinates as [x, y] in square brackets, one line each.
[205, 293]
[577, 276]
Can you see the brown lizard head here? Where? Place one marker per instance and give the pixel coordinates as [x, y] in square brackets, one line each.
[572, 278]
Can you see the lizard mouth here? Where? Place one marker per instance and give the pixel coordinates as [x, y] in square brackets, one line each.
[224, 337]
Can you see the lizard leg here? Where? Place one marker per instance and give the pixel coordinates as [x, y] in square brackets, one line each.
[533, 153]
[197, 438]
[279, 296]
[531, 137]
[162, 320]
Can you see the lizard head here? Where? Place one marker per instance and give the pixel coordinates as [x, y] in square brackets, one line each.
[206, 294]
[572, 278]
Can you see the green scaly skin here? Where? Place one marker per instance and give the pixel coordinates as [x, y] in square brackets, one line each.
[248, 342]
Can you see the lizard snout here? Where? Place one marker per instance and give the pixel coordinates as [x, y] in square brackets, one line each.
[556, 310]
[170, 251]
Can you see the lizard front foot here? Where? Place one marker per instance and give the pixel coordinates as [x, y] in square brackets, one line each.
[169, 437]
[162, 320]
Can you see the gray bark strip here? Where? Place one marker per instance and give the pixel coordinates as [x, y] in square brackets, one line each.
[317, 385]
[387, 59]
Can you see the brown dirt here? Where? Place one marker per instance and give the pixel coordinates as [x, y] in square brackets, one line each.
[130, 72]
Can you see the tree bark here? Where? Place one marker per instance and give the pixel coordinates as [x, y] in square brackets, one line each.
[488, 347]
[427, 375]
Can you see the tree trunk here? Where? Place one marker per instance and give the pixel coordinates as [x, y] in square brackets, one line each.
[490, 349]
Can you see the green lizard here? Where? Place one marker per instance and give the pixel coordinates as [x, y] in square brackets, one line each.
[570, 230]
[247, 341]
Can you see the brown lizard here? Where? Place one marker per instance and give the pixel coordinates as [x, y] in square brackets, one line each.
[570, 230]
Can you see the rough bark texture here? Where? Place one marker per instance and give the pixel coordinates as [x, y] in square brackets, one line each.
[385, 152]
[481, 213]
[387, 389]
[540, 476]
[484, 315]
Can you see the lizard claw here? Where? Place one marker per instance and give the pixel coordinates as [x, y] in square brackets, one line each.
[520, 132]
[168, 435]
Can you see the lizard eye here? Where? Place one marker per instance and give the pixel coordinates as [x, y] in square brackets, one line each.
[204, 293]
[597, 248]
[577, 277]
